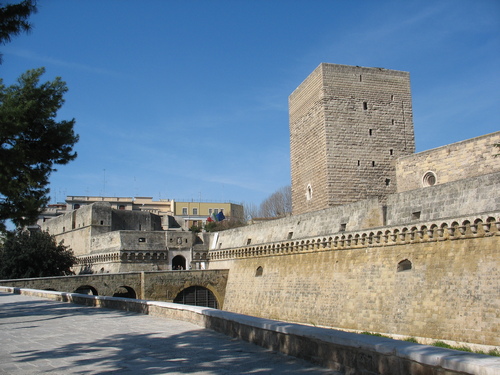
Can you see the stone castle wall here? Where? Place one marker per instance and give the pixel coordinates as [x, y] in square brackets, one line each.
[358, 280]
[454, 199]
[457, 161]
[347, 127]
[354, 216]
[458, 198]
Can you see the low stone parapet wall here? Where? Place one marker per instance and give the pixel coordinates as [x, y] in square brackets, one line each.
[342, 351]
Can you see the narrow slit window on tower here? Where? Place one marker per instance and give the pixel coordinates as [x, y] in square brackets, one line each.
[391, 151]
[387, 181]
[373, 163]
[371, 131]
[392, 97]
[359, 163]
[365, 105]
[393, 121]
[360, 78]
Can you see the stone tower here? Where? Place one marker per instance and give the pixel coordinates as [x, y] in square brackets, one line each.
[348, 124]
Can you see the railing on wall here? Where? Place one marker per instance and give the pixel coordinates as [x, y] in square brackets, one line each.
[483, 225]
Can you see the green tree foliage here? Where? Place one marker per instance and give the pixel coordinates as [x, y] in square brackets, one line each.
[31, 142]
[34, 254]
[13, 20]
[217, 226]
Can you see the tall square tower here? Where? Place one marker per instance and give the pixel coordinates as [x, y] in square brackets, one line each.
[348, 124]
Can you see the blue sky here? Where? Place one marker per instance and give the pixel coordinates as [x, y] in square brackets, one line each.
[189, 99]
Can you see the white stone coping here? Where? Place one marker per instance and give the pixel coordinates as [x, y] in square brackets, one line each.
[447, 359]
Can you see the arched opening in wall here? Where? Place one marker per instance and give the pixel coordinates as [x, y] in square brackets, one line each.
[429, 179]
[125, 292]
[179, 263]
[309, 192]
[86, 289]
[197, 296]
[259, 271]
[121, 207]
[404, 265]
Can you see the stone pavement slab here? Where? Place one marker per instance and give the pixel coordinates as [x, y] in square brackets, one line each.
[39, 336]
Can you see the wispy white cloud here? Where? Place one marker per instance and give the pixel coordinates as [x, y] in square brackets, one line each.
[30, 55]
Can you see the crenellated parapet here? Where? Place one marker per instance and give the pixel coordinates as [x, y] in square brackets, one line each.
[449, 229]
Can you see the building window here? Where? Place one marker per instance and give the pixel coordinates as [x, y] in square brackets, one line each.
[365, 106]
[387, 181]
[210, 211]
[121, 207]
[429, 179]
[404, 265]
[290, 235]
[184, 210]
[415, 215]
[371, 132]
[391, 152]
[142, 239]
[195, 211]
[216, 211]
[259, 271]
[76, 206]
[343, 226]
[249, 241]
[373, 163]
[309, 192]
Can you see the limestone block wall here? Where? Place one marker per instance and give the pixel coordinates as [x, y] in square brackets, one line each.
[347, 127]
[76, 228]
[354, 216]
[308, 145]
[457, 198]
[135, 220]
[440, 280]
[457, 161]
[128, 240]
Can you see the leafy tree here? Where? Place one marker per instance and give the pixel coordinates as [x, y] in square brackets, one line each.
[217, 226]
[34, 254]
[31, 141]
[13, 20]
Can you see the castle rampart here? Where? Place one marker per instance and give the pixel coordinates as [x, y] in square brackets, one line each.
[435, 279]
[453, 162]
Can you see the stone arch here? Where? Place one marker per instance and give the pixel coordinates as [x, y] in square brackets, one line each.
[124, 291]
[259, 271]
[179, 263]
[86, 289]
[404, 265]
[197, 295]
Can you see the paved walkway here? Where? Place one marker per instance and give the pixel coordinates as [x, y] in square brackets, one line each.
[39, 336]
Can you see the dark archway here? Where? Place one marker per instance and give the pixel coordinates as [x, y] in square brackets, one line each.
[125, 292]
[87, 289]
[179, 263]
[197, 296]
